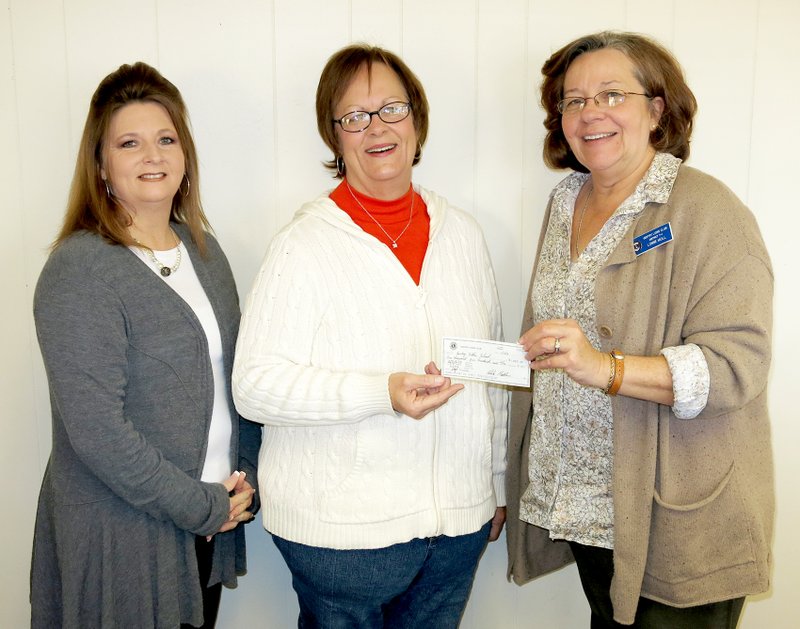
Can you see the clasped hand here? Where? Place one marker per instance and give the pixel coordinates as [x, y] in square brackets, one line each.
[240, 500]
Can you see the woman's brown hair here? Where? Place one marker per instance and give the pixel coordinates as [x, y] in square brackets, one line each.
[340, 70]
[91, 207]
[655, 68]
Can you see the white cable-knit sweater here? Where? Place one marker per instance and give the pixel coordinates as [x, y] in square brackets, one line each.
[331, 315]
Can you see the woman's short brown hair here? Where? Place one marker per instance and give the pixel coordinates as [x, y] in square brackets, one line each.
[656, 69]
[340, 70]
[90, 206]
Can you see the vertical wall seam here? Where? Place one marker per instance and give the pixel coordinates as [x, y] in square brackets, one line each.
[158, 34]
[402, 28]
[66, 73]
[274, 131]
[350, 21]
[753, 87]
[526, 121]
[475, 102]
[31, 330]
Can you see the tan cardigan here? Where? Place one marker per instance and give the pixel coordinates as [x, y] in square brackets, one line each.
[693, 499]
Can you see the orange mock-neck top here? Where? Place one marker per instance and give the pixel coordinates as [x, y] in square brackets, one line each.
[392, 222]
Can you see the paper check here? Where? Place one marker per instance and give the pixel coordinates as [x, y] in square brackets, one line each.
[490, 361]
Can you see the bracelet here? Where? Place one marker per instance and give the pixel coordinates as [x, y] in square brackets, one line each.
[612, 374]
[619, 371]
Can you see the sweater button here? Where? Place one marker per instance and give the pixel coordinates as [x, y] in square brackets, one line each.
[605, 332]
[422, 298]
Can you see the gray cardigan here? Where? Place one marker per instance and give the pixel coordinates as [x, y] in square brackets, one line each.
[693, 499]
[131, 391]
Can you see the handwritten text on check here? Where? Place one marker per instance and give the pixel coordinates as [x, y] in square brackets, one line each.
[490, 361]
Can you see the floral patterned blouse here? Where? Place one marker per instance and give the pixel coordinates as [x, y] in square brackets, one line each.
[571, 453]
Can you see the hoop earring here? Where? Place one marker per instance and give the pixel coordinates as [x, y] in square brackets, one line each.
[188, 186]
[340, 167]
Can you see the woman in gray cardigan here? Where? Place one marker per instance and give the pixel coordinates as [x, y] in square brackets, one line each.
[137, 314]
[645, 441]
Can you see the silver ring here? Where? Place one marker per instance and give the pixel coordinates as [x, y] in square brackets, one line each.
[557, 346]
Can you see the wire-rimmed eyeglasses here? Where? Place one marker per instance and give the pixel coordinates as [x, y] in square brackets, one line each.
[357, 121]
[604, 100]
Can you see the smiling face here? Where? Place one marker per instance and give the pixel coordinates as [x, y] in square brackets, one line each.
[614, 143]
[378, 159]
[143, 161]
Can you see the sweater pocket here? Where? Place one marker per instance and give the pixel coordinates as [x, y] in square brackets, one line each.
[375, 472]
[694, 540]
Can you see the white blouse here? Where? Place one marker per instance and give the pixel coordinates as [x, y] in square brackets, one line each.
[217, 466]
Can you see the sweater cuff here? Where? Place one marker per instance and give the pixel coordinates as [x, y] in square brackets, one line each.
[376, 399]
[499, 481]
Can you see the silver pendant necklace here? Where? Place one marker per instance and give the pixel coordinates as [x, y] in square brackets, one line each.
[165, 270]
[374, 220]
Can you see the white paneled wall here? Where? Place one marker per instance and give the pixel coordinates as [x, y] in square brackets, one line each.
[249, 69]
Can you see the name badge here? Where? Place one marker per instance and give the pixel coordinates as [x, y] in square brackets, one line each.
[661, 235]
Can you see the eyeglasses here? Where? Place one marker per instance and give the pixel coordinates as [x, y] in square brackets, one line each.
[358, 121]
[604, 100]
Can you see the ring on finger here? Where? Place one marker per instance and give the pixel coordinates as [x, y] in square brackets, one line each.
[557, 345]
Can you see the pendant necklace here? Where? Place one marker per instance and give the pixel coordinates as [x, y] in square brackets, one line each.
[165, 270]
[374, 220]
[580, 220]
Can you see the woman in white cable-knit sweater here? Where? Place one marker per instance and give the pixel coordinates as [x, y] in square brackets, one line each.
[381, 485]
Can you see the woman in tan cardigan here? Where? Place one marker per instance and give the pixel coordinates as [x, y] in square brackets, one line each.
[644, 442]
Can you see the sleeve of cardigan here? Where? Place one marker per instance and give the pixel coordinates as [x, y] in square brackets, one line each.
[249, 446]
[730, 316]
[731, 324]
[80, 323]
[274, 382]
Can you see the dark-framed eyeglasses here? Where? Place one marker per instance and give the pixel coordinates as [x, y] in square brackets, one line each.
[358, 121]
[604, 100]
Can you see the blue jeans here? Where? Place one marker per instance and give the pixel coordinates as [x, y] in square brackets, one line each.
[421, 583]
